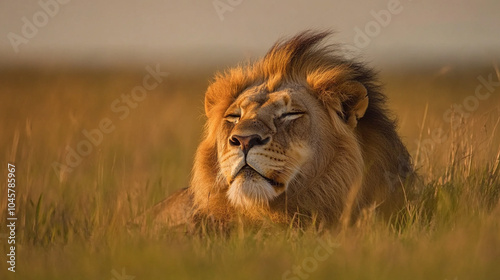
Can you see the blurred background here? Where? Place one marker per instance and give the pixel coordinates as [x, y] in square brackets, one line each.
[193, 34]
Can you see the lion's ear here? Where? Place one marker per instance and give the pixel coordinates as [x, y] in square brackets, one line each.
[356, 102]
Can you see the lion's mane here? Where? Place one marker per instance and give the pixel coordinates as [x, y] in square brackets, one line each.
[370, 166]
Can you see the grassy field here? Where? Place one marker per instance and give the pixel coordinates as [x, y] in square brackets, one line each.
[72, 210]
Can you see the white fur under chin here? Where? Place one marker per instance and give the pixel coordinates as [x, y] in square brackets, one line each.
[247, 193]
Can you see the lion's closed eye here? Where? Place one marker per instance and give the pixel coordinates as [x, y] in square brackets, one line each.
[232, 118]
[288, 116]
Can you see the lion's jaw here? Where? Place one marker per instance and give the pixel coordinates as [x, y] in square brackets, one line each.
[280, 125]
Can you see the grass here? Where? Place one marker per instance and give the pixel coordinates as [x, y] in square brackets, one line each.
[72, 225]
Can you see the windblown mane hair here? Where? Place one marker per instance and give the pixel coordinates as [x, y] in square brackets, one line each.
[304, 60]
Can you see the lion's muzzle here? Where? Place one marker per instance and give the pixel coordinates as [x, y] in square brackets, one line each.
[247, 142]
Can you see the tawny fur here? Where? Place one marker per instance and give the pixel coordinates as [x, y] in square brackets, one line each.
[359, 156]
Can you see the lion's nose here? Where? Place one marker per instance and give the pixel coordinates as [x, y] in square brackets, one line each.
[247, 142]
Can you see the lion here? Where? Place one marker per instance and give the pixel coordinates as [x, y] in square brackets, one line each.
[301, 134]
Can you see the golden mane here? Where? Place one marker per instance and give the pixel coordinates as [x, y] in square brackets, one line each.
[371, 163]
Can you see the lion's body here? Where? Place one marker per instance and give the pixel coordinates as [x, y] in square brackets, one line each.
[321, 141]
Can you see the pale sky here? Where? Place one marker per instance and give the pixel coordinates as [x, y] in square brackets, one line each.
[190, 32]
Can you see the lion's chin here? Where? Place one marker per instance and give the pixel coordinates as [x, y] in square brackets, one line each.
[249, 189]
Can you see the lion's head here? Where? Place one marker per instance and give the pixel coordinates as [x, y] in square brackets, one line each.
[297, 132]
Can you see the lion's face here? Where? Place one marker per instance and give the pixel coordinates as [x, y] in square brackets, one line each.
[264, 142]
[301, 130]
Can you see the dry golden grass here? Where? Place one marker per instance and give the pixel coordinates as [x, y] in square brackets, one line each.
[72, 225]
